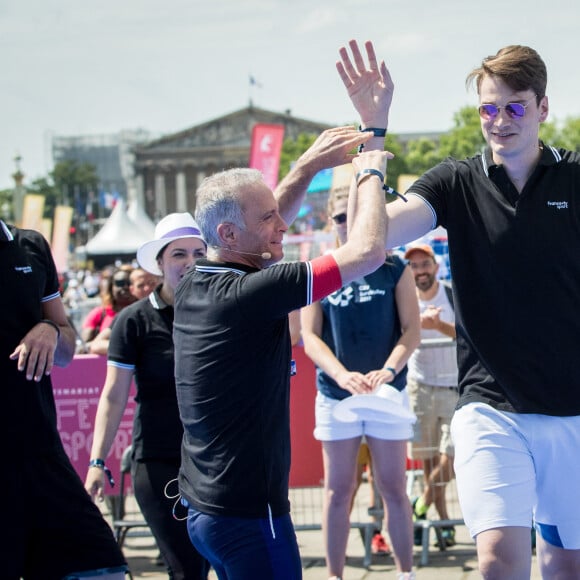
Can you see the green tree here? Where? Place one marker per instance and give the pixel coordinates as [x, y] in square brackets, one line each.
[6, 204]
[399, 164]
[421, 155]
[570, 134]
[549, 133]
[74, 180]
[291, 150]
[465, 139]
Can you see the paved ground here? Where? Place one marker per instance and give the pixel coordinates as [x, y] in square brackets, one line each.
[456, 563]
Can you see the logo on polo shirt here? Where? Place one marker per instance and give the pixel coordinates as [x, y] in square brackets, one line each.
[341, 297]
[23, 269]
[558, 204]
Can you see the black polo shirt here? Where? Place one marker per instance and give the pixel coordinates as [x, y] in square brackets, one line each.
[142, 341]
[515, 261]
[232, 365]
[28, 278]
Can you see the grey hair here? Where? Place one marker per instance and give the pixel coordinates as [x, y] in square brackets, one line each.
[217, 201]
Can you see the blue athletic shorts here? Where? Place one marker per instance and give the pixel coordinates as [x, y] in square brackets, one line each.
[243, 548]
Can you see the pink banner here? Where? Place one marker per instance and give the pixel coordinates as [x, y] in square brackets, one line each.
[265, 151]
[77, 389]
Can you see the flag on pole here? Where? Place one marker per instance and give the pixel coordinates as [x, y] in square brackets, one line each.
[254, 82]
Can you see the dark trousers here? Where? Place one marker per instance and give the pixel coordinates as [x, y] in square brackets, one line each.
[149, 480]
[260, 549]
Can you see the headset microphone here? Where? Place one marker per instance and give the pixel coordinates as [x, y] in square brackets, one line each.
[263, 255]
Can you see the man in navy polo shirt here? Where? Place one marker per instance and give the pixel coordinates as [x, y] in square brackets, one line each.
[232, 348]
[54, 531]
[512, 215]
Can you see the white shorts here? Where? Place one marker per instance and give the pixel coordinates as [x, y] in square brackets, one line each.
[330, 429]
[513, 468]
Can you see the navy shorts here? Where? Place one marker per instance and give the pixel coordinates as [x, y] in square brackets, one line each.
[52, 527]
[243, 548]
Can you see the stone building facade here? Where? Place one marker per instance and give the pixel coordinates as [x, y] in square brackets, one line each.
[169, 170]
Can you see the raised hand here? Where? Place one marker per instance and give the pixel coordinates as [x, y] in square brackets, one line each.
[370, 89]
[334, 147]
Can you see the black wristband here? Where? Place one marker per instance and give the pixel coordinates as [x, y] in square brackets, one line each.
[376, 131]
[53, 324]
[391, 369]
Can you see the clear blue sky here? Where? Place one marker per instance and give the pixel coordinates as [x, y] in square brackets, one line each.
[71, 67]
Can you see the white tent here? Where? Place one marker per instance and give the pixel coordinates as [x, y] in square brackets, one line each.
[119, 235]
[137, 212]
[138, 216]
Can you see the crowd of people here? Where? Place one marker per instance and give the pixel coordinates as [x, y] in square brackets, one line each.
[501, 414]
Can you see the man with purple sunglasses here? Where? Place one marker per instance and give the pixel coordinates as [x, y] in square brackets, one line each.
[512, 215]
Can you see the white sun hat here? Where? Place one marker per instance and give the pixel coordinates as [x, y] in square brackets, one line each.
[385, 404]
[174, 226]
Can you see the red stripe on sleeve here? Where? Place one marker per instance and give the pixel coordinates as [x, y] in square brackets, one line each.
[326, 277]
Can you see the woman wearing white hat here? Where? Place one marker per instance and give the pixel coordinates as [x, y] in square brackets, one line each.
[142, 347]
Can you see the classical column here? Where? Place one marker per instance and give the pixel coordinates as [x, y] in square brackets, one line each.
[140, 189]
[160, 199]
[180, 191]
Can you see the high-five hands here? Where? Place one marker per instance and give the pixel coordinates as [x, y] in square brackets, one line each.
[370, 89]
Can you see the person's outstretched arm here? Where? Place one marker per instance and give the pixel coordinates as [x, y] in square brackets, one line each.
[370, 89]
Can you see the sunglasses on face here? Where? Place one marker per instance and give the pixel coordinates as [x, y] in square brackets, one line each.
[121, 283]
[339, 218]
[514, 110]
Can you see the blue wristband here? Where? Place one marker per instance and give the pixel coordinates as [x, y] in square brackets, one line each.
[101, 465]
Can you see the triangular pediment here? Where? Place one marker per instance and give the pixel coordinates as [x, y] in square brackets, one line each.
[231, 130]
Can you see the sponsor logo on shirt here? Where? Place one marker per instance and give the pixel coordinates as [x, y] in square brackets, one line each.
[23, 269]
[558, 204]
[341, 297]
[363, 293]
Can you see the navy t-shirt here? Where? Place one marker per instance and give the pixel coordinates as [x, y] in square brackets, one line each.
[361, 325]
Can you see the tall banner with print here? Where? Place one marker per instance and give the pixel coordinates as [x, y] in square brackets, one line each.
[63, 215]
[265, 151]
